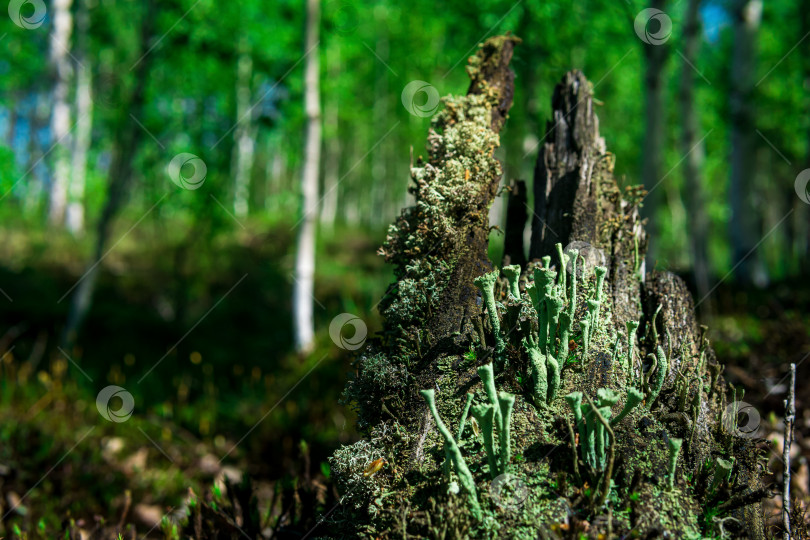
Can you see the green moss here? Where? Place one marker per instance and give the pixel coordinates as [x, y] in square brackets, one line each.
[374, 387]
[674, 450]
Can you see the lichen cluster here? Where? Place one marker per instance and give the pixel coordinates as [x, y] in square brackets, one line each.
[448, 189]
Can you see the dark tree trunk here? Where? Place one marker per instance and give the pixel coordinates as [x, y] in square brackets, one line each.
[692, 149]
[127, 141]
[744, 228]
[655, 109]
[516, 215]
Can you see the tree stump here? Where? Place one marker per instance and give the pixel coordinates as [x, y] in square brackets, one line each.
[524, 405]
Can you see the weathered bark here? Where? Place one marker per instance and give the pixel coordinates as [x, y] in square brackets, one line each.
[574, 203]
[305, 257]
[694, 154]
[468, 232]
[84, 123]
[743, 226]
[60, 118]
[584, 206]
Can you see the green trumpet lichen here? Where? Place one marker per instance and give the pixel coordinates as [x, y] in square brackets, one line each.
[486, 284]
[460, 433]
[565, 332]
[593, 424]
[660, 376]
[464, 415]
[512, 273]
[538, 370]
[574, 400]
[674, 450]
[487, 374]
[463, 472]
[634, 398]
[606, 398]
[545, 357]
[601, 272]
[593, 314]
[553, 307]
[722, 471]
[606, 466]
[586, 341]
[485, 415]
[431, 319]
[507, 403]
[553, 375]
[496, 414]
[544, 292]
[563, 262]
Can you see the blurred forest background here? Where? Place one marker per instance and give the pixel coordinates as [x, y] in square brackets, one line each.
[111, 273]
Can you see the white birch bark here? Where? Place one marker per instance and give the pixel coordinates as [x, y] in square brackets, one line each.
[305, 257]
[60, 118]
[84, 125]
[332, 167]
[244, 135]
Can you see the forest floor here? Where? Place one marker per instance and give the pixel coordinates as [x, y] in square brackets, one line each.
[217, 406]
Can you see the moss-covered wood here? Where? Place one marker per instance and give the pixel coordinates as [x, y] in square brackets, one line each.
[599, 456]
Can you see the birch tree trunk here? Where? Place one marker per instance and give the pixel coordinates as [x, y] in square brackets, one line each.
[60, 119]
[244, 137]
[652, 157]
[331, 123]
[84, 123]
[743, 231]
[305, 257]
[694, 152]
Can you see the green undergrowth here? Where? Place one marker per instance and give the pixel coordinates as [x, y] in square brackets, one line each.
[62, 460]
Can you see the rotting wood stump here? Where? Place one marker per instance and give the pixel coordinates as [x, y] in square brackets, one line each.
[574, 396]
